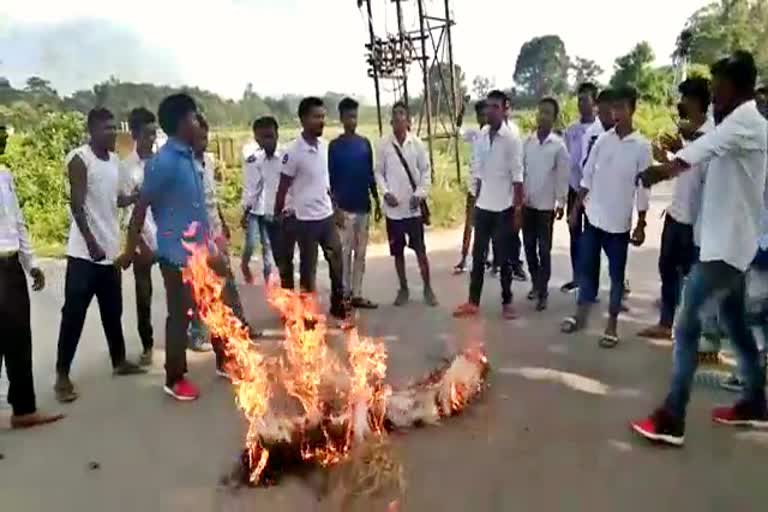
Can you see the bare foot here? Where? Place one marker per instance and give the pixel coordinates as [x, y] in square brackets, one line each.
[33, 420]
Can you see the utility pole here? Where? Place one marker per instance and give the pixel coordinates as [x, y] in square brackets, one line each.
[427, 93]
[374, 66]
[452, 102]
[402, 37]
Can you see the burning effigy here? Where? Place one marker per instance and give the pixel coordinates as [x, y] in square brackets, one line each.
[305, 405]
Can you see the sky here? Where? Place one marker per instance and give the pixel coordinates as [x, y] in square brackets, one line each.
[302, 46]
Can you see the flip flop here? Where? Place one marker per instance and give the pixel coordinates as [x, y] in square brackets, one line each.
[569, 325]
[608, 341]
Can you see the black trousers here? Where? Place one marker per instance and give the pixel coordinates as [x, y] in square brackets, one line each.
[179, 303]
[323, 234]
[676, 258]
[575, 231]
[537, 238]
[16, 336]
[142, 276]
[84, 280]
[282, 238]
[496, 227]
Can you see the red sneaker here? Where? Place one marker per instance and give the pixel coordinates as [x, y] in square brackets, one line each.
[183, 390]
[466, 310]
[661, 427]
[742, 414]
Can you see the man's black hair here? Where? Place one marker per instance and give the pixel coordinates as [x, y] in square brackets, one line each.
[498, 95]
[587, 88]
[308, 104]
[99, 115]
[265, 122]
[606, 96]
[553, 102]
[202, 121]
[401, 104]
[626, 93]
[173, 109]
[698, 89]
[347, 105]
[739, 69]
[139, 118]
[480, 106]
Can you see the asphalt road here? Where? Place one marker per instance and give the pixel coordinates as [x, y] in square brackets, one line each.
[550, 435]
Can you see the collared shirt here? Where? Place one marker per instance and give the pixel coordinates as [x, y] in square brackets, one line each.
[736, 152]
[350, 167]
[102, 189]
[253, 181]
[392, 177]
[688, 186]
[574, 142]
[13, 229]
[310, 190]
[611, 178]
[501, 168]
[593, 133]
[546, 165]
[173, 187]
[131, 179]
[261, 180]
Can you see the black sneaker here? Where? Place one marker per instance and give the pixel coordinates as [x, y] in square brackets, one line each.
[661, 427]
[569, 287]
[518, 274]
[541, 304]
[532, 295]
[733, 383]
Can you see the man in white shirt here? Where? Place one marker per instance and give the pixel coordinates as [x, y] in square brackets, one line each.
[737, 155]
[609, 191]
[92, 248]
[143, 126]
[305, 175]
[678, 248]
[16, 257]
[546, 166]
[498, 210]
[403, 176]
[260, 168]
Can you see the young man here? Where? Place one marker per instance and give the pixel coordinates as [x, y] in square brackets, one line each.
[737, 155]
[609, 190]
[574, 142]
[173, 188]
[143, 126]
[761, 98]
[254, 219]
[16, 257]
[350, 166]
[498, 211]
[546, 165]
[305, 174]
[479, 150]
[93, 246]
[403, 175]
[678, 252]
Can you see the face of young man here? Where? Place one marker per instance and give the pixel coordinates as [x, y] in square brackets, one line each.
[546, 116]
[314, 122]
[622, 112]
[605, 113]
[349, 120]
[188, 129]
[145, 139]
[104, 134]
[267, 139]
[496, 111]
[3, 139]
[586, 105]
[762, 103]
[482, 117]
[723, 98]
[201, 140]
[400, 120]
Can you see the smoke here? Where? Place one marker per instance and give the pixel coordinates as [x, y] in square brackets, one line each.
[77, 54]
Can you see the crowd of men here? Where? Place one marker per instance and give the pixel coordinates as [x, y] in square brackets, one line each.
[318, 196]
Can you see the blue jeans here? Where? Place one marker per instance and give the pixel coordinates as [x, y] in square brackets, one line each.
[713, 281]
[257, 233]
[616, 246]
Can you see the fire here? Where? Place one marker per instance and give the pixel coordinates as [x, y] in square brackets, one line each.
[304, 404]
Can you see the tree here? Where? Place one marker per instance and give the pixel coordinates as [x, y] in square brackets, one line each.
[39, 87]
[482, 85]
[585, 70]
[440, 85]
[636, 69]
[542, 66]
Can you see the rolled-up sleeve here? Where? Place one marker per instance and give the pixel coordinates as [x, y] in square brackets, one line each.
[515, 156]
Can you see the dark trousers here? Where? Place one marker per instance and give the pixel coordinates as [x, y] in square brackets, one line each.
[616, 247]
[179, 302]
[84, 280]
[676, 258]
[142, 276]
[282, 238]
[496, 227]
[575, 230]
[16, 336]
[537, 237]
[311, 235]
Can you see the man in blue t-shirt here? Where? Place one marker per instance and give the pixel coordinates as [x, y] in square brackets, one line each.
[350, 167]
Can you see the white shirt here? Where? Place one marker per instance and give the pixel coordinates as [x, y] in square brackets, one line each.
[732, 204]
[253, 181]
[611, 176]
[546, 167]
[686, 198]
[100, 206]
[593, 132]
[13, 229]
[131, 179]
[474, 137]
[501, 168]
[207, 170]
[261, 180]
[392, 177]
[311, 187]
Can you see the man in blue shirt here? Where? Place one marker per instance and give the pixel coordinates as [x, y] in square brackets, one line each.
[350, 167]
[173, 188]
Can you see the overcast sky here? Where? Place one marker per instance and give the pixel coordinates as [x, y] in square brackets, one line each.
[300, 46]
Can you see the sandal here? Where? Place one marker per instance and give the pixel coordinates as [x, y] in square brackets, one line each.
[608, 341]
[361, 303]
[569, 325]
